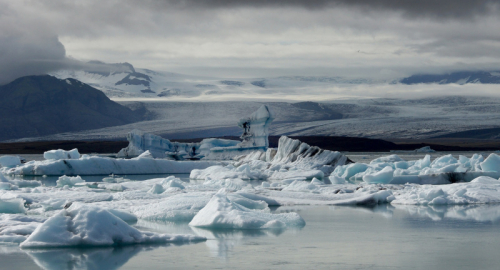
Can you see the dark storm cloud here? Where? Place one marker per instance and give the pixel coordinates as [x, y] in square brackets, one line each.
[22, 55]
[259, 34]
[414, 8]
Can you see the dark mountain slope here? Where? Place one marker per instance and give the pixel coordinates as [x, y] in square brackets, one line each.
[41, 105]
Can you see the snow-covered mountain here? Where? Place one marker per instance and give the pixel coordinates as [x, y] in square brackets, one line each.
[125, 81]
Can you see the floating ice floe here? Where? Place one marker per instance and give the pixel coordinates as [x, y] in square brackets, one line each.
[443, 170]
[425, 149]
[10, 161]
[293, 159]
[82, 225]
[68, 181]
[13, 184]
[158, 147]
[71, 212]
[12, 206]
[95, 165]
[223, 213]
[482, 190]
[15, 228]
[61, 154]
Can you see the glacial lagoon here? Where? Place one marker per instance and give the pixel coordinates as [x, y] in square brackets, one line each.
[382, 237]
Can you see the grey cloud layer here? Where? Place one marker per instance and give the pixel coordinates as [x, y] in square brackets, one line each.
[316, 34]
[416, 8]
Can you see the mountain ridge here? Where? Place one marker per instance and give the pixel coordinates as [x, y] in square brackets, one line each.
[44, 105]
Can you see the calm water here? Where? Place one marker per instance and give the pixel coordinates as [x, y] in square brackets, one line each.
[384, 237]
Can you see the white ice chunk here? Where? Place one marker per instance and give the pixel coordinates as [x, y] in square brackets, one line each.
[140, 142]
[156, 189]
[82, 225]
[254, 137]
[443, 161]
[301, 186]
[382, 177]
[12, 206]
[95, 165]
[222, 213]
[491, 163]
[10, 161]
[146, 154]
[425, 149]
[481, 190]
[61, 154]
[256, 128]
[486, 180]
[336, 180]
[69, 181]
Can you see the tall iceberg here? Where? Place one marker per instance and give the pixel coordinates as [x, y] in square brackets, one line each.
[256, 129]
[254, 138]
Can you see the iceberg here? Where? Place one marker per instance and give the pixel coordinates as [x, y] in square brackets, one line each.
[61, 154]
[158, 147]
[425, 149]
[10, 161]
[256, 129]
[443, 170]
[68, 181]
[223, 213]
[12, 206]
[293, 159]
[254, 137]
[95, 165]
[491, 163]
[81, 225]
[384, 176]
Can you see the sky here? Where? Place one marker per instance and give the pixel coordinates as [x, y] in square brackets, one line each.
[353, 38]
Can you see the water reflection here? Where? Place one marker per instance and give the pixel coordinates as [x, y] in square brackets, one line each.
[73, 258]
[385, 210]
[104, 258]
[222, 242]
